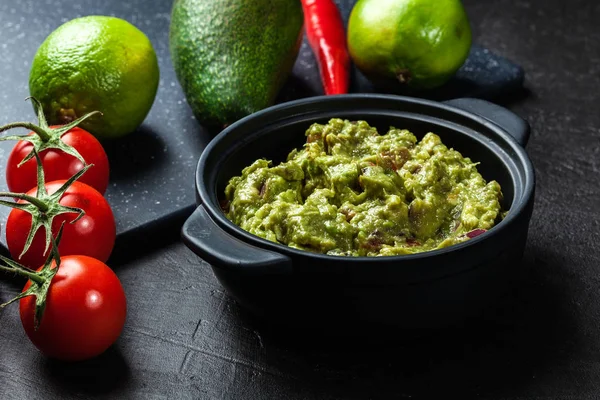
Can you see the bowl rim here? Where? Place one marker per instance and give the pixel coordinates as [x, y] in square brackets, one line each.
[520, 157]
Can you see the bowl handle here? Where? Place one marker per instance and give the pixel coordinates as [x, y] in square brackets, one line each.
[220, 249]
[516, 126]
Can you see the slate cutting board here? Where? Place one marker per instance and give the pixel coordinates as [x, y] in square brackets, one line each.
[152, 170]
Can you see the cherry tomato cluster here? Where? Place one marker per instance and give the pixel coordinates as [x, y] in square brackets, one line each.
[60, 233]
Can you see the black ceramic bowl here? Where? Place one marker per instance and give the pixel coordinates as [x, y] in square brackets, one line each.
[424, 290]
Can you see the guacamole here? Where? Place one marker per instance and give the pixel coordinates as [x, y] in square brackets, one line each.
[353, 192]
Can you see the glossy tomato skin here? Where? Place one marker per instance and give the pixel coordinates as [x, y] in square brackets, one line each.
[85, 311]
[59, 165]
[93, 235]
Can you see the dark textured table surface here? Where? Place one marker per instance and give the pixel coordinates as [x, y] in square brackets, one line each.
[185, 338]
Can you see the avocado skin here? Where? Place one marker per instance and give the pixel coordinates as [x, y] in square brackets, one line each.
[232, 57]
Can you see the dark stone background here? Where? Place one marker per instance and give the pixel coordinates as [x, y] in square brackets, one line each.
[185, 338]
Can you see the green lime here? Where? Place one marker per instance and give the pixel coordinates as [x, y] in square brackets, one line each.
[420, 43]
[96, 63]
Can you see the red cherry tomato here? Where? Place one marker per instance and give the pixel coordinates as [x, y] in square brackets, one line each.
[85, 310]
[58, 164]
[93, 235]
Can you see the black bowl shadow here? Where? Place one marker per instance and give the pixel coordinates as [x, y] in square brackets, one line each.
[519, 94]
[497, 351]
[140, 153]
[151, 238]
[456, 87]
[295, 88]
[100, 375]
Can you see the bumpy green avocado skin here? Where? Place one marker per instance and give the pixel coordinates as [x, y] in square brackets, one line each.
[232, 57]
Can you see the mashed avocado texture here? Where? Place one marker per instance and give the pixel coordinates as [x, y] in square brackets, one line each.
[353, 192]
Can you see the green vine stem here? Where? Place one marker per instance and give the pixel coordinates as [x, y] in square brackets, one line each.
[43, 207]
[45, 137]
[40, 280]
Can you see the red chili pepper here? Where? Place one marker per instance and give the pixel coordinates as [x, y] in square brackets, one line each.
[327, 38]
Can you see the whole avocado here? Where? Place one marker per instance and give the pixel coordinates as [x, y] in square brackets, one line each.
[232, 57]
